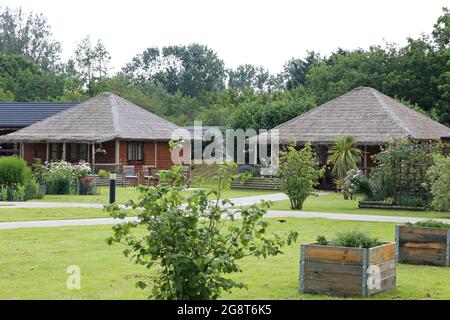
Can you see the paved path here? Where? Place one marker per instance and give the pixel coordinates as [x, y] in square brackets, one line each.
[244, 201]
[270, 214]
[237, 202]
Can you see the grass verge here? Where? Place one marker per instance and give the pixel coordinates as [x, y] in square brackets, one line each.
[33, 265]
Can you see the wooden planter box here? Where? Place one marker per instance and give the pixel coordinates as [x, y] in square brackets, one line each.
[421, 245]
[347, 271]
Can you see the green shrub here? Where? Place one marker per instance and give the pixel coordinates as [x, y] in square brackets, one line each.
[439, 175]
[402, 168]
[102, 173]
[411, 201]
[299, 172]
[33, 191]
[4, 194]
[381, 185]
[59, 183]
[191, 252]
[429, 224]
[350, 238]
[39, 171]
[8, 193]
[13, 171]
[18, 193]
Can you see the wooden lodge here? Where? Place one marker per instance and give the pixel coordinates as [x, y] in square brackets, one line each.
[107, 131]
[369, 116]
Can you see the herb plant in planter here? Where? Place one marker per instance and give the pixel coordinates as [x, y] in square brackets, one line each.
[352, 264]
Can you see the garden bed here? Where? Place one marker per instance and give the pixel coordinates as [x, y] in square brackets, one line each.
[386, 205]
[347, 271]
[423, 245]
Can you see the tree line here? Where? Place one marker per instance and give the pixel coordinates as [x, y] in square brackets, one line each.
[187, 82]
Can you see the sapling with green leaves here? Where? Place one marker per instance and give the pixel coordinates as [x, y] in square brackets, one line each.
[300, 172]
[191, 242]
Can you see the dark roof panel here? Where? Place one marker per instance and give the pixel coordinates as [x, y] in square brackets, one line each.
[22, 114]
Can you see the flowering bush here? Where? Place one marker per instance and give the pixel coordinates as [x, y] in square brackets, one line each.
[76, 172]
[62, 177]
[351, 181]
[355, 182]
[87, 185]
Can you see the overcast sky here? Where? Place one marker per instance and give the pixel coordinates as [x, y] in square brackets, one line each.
[266, 33]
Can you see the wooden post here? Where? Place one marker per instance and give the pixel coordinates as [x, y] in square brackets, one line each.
[365, 160]
[88, 153]
[93, 157]
[64, 151]
[156, 154]
[47, 153]
[22, 150]
[117, 153]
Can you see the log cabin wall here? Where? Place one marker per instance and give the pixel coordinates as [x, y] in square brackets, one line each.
[156, 153]
[109, 157]
[446, 143]
[34, 150]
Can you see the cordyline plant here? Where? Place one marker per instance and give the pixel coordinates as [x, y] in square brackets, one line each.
[190, 241]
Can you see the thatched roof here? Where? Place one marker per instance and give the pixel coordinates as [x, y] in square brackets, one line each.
[102, 118]
[365, 114]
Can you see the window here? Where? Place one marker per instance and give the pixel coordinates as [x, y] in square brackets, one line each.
[83, 152]
[56, 151]
[76, 152]
[73, 152]
[135, 151]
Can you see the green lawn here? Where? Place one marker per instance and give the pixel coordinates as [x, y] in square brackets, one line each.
[33, 265]
[9, 215]
[331, 203]
[335, 203]
[123, 195]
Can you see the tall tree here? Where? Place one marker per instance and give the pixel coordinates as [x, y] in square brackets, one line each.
[441, 30]
[295, 70]
[189, 69]
[29, 35]
[248, 77]
[25, 80]
[92, 63]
